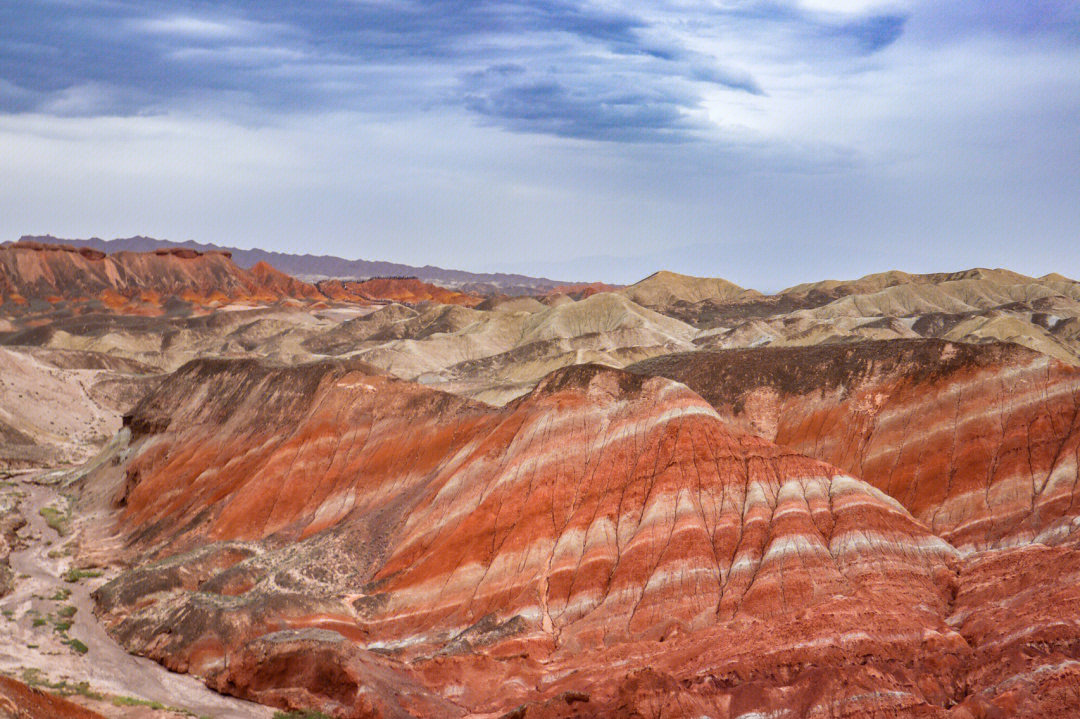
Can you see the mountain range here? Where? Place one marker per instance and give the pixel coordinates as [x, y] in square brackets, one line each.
[230, 491]
[317, 267]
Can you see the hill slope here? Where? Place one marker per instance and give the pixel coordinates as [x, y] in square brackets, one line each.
[514, 554]
[980, 442]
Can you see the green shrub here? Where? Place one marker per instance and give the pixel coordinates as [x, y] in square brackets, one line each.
[77, 646]
[136, 702]
[57, 520]
[73, 575]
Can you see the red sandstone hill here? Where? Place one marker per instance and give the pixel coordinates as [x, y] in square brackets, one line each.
[138, 281]
[980, 442]
[407, 290]
[605, 546]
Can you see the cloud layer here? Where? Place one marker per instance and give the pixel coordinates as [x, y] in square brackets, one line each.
[527, 133]
[565, 68]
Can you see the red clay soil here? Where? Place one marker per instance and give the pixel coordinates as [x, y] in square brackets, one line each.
[605, 546]
[980, 442]
[19, 701]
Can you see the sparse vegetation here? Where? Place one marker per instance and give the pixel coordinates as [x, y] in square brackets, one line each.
[77, 646]
[33, 677]
[61, 595]
[125, 701]
[136, 702]
[56, 519]
[40, 622]
[67, 612]
[73, 575]
[309, 714]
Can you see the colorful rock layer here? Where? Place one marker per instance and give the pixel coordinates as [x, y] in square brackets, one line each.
[322, 536]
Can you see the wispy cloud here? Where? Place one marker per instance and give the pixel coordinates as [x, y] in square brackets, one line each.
[186, 26]
[593, 71]
[771, 140]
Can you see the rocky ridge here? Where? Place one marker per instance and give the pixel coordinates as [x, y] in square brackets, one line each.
[605, 519]
[869, 512]
[980, 442]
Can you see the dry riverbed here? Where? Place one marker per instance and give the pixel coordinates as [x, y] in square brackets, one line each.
[49, 636]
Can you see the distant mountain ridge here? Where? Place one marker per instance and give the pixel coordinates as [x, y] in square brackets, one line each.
[311, 267]
[32, 270]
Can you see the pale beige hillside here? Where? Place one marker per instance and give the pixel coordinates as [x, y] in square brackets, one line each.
[601, 323]
[1004, 327]
[664, 289]
[951, 297]
[60, 407]
[975, 306]
[882, 280]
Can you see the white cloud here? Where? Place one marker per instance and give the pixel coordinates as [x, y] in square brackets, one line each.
[927, 154]
[239, 54]
[91, 98]
[187, 26]
[853, 7]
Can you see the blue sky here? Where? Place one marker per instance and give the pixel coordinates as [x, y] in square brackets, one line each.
[767, 142]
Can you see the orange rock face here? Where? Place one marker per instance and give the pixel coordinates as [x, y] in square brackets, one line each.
[407, 290]
[980, 442]
[605, 546]
[136, 282]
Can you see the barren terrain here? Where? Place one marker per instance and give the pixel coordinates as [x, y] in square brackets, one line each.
[681, 498]
[52, 637]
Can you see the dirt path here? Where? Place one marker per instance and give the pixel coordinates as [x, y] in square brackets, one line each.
[33, 635]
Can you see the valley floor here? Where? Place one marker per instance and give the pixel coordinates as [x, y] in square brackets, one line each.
[51, 637]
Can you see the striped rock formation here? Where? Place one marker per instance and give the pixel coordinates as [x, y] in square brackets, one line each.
[323, 536]
[138, 282]
[1019, 611]
[980, 442]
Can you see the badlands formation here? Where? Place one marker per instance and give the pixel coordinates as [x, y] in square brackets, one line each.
[378, 497]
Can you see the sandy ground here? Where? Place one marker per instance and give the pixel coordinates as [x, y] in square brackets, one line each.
[54, 408]
[44, 598]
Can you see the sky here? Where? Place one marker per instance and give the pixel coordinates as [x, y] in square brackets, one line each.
[768, 142]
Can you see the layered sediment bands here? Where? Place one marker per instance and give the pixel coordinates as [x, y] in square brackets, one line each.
[1019, 608]
[515, 559]
[137, 281]
[980, 442]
